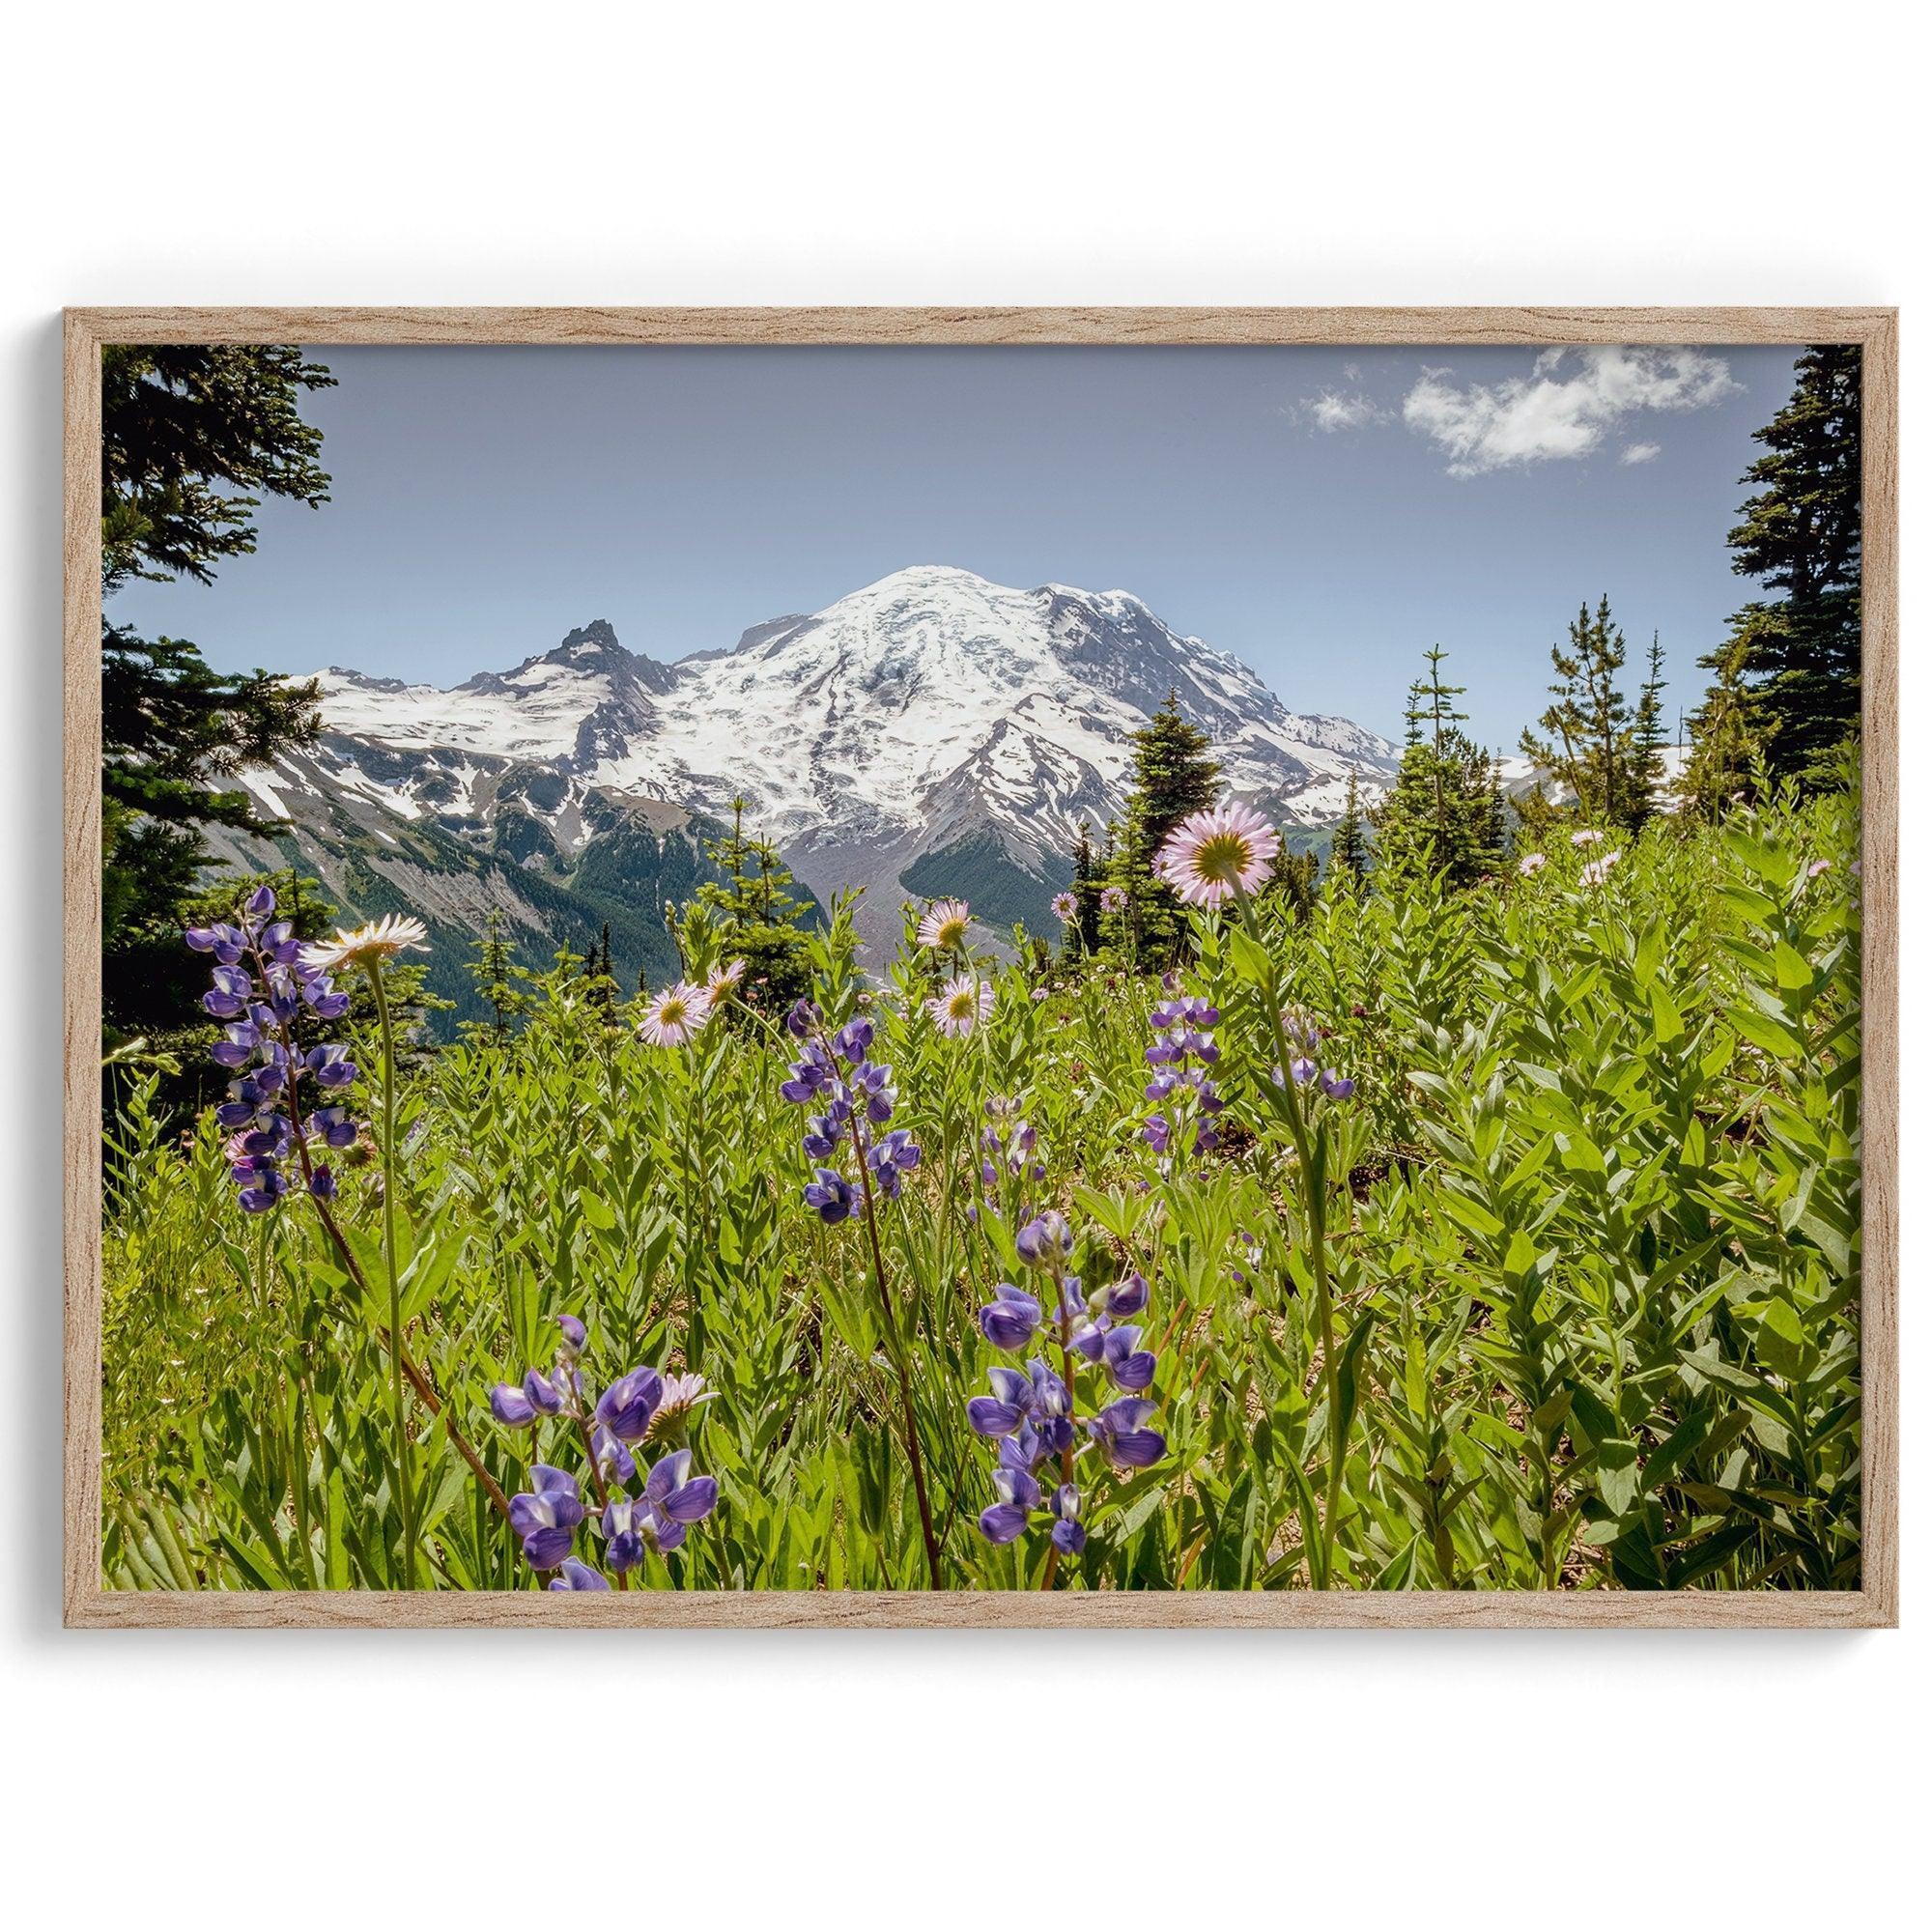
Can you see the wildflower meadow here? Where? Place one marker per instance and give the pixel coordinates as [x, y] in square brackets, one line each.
[1384, 1234]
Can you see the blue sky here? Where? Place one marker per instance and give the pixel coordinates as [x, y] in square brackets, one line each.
[1325, 514]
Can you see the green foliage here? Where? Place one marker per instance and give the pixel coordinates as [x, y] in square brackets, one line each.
[1444, 813]
[1566, 1297]
[1170, 776]
[978, 869]
[1801, 534]
[1349, 852]
[501, 984]
[1083, 930]
[188, 436]
[1593, 744]
[752, 913]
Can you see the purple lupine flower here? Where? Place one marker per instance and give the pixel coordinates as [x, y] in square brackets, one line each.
[321, 1182]
[873, 1084]
[614, 1462]
[1024, 1448]
[1045, 1240]
[852, 1041]
[626, 1407]
[323, 1000]
[1125, 1298]
[624, 1527]
[1069, 1533]
[801, 1016]
[334, 1124]
[544, 1396]
[1019, 1494]
[1123, 1438]
[892, 1157]
[574, 1333]
[811, 1075]
[511, 1407]
[1301, 1069]
[579, 1576]
[546, 1516]
[674, 1498]
[830, 1195]
[1052, 1408]
[1005, 1410]
[1008, 1320]
[331, 1066]
[1335, 1085]
[1119, 1354]
[237, 1045]
[1181, 1092]
[858, 1096]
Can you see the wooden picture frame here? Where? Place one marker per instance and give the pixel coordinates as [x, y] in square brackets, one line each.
[87, 1603]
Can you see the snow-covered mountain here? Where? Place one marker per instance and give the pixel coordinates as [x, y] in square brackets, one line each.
[931, 732]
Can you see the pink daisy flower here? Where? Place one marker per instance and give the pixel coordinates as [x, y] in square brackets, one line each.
[1598, 869]
[945, 925]
[1210, 854]
[1586, 838]
[962, 1004]
[1531, 864]
[1066, 908]
[676, 1017]
[721, 981]
[1112, 899]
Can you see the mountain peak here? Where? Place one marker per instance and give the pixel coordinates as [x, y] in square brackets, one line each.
[593, 646]
[900, 736]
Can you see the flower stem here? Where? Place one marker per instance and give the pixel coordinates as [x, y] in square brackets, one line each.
[398, 1407]
[1314, 1186]
[899, 1360]
[351, 1267]
[1052, 1569]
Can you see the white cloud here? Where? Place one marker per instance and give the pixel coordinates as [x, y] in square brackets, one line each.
[1642, 452]
[1336, 409]
[1564, 407]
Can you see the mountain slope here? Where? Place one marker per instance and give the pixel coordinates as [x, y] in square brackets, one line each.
[930, 732]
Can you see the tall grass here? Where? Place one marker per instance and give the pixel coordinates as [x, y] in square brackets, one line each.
[1566, 1297]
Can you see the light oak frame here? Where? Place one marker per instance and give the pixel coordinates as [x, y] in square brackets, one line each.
[86, 1602]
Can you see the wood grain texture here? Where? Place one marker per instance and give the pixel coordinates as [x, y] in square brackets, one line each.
[957, 1610]
[1879, 1021]
[80, 920]
[87, 1604]
[903, 327]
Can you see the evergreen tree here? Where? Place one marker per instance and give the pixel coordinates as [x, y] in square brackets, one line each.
[600, 978]
[1443, 812]
[499, 980]
[1086, 888]
[1433, 703]
[1802, 534]
[188, 435]
[1172, 775]
[1647, 739]
[751, 914]
[1293, 884]
[1590, 746]
[1725, 742]
[1349, 851]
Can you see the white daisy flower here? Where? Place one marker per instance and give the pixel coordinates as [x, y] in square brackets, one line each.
[366, 945]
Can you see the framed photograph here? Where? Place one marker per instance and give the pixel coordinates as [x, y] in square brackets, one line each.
[1008, 967]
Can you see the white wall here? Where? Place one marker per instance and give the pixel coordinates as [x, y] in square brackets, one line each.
[904, 153]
